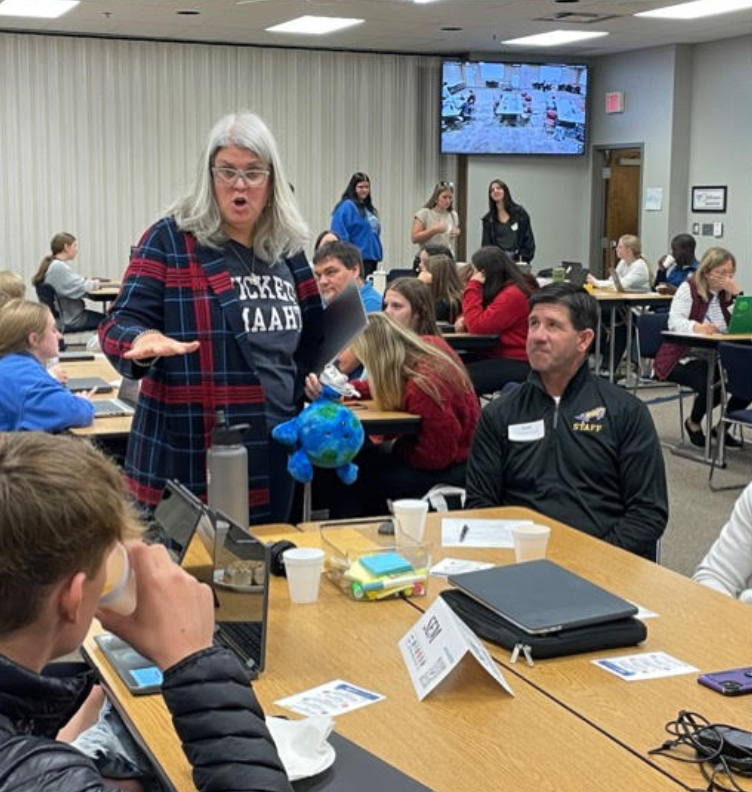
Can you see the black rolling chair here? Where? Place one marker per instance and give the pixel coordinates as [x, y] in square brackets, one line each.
[393, 274]
[736, 362]
[650, 327]
[48, 296]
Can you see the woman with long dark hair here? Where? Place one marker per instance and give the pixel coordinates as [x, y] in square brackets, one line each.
[356, 220]
[495, 302]
[506, 225]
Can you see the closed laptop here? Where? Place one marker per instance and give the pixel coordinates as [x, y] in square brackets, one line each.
[542, 597]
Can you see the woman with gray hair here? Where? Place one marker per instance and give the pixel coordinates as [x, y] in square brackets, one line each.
[218, 313]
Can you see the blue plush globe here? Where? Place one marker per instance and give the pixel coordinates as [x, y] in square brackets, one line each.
[329, 435]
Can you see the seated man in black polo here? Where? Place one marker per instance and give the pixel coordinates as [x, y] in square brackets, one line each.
[567, 444]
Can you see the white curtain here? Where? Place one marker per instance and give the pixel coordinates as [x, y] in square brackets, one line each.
[98, 136]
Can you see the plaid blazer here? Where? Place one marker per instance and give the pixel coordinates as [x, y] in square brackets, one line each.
[184, 290]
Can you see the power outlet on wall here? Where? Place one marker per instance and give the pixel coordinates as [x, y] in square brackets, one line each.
[695, 228]
[717, 230]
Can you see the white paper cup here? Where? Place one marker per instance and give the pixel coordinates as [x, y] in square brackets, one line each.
[530, 541]
[303, 566]
[119, 592]
[410, 521]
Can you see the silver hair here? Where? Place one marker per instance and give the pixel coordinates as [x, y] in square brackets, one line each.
[280, 230]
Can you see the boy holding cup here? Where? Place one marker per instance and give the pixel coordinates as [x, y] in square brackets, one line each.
[62, 513]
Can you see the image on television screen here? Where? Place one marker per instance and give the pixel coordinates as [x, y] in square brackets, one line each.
[513, 108]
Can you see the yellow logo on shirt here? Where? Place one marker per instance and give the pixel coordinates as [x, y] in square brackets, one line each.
[589, 421]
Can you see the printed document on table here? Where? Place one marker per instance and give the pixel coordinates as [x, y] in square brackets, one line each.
[646, 665]
[331, 698]
[436, 645]
[457, 566]
[479, 533]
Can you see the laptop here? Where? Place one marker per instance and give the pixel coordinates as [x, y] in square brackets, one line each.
[344, 319]
[74, 355]
[241, 600]
[576, 273]
[176, 518]
[541, 597]
[741, 318]
[125, 404]
[619, 286]
[79, 384]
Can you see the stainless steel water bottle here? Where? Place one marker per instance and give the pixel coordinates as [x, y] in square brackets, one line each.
[227, 470]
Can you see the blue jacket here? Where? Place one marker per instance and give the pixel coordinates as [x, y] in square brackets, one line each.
[32, 400]
[350, 225]
[372, 300]
[184, 290]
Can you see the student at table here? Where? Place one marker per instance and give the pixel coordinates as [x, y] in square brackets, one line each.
[673, 270]
[701, 305]
[218, 310]
[46, 609]
[495, 302]
[422, 256]
[356, 220]
[567, 443]
[409, 373]
[12, 287]
[56, 271]
[635, 276]
[437, 222]
[31, 399]
[727, 567]
[507, 224]
[408, 301]
[335, 265]
[440, 273]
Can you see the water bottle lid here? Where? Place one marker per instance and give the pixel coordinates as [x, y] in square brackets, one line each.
[222, 434]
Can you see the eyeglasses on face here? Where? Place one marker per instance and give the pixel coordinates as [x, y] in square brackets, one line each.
[254, 177]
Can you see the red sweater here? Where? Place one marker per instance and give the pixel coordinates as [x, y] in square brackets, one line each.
[506, 315]
[446, 429]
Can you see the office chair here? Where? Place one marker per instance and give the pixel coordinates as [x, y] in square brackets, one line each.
[650, 327]
[736, 363]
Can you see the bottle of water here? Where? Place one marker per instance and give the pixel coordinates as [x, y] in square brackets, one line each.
[227, 470]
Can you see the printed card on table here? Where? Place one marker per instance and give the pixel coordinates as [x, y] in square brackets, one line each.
[436, 645]
[331, 698]
[646, 665]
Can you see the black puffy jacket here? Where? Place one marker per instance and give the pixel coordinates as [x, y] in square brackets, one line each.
[214, 710]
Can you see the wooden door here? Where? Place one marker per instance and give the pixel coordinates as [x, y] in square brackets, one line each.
[622, 176]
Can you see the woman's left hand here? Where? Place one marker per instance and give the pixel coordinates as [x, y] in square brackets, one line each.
[58, 373]
[313, 388]
[425, 276]
[479, 276]
[732, 287]
[455, 231]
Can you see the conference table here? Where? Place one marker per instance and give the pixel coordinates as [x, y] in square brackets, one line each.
[706, 348]
[694, 624]
[467, 734]
[374, 421]
[624, 301]
[471, 342]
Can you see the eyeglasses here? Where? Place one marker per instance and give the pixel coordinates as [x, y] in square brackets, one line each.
[253, 177]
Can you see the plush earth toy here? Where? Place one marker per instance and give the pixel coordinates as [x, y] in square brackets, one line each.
[329, 435]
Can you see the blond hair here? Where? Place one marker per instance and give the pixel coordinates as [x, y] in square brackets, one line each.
[714, 257]
[635, 245]
[62, 506]
[394, 354]
[11, 287]
[18, 320]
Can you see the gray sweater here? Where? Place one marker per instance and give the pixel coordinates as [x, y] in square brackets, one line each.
[70, 288]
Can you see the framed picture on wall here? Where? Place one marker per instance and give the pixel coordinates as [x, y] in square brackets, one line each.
[709, 199]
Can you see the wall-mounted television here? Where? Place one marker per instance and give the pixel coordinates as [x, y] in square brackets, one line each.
[514, 108]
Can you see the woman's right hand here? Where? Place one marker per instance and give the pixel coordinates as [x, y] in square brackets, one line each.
[459, 325]
[439, 228]
[313, 387]
[706, 328]
[151, 345]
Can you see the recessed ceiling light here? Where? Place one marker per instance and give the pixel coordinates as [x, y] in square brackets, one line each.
[44, 9]
[555, 37]
[423, 2]
[314, 25]
[697, 9]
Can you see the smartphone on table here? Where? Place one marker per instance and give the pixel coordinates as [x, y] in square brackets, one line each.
[734, 682]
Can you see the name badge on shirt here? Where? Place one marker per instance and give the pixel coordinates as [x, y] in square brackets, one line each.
[527, 432]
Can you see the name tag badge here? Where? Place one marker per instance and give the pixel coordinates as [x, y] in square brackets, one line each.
[527, 432]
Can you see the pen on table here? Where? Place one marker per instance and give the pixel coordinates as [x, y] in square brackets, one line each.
[463, 532]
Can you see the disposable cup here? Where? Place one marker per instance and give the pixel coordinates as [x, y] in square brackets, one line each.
[410, 521]
[119, 592]
[303, 566]
[530, 541]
